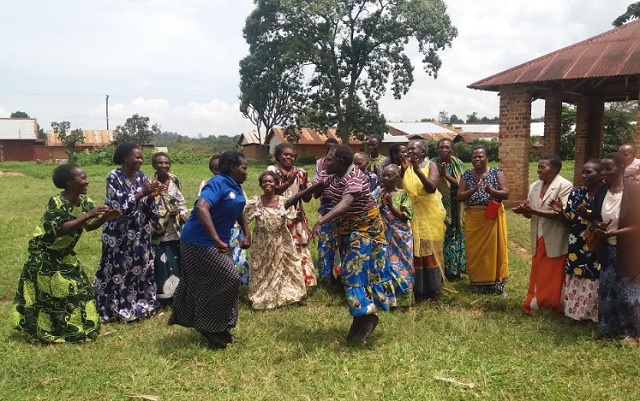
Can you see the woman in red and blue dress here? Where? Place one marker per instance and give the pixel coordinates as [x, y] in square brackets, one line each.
[370, 284]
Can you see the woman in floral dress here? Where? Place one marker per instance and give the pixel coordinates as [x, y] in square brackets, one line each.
[451, 169]
[397, 211]
[292, 181]
[370, 284]
[582, 271]
[275, 279]
[55, 301]
[124, 284]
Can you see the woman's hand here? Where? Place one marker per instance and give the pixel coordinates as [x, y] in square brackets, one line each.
[153, 188]
[602, 229]
[222, 246]
[97, 211]
[442, 169]
[290, 202]
[246, 242]
[556, 205]
[111, 214]
[315, 231]
[523, 208]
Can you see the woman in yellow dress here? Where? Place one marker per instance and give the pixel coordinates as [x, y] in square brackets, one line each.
[420, 179]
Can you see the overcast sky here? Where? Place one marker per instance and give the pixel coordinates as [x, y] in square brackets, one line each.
[176, 61]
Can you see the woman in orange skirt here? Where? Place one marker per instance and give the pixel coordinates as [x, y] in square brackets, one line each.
[549, 236]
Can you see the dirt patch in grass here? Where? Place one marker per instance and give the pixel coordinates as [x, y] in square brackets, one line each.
[10, 174]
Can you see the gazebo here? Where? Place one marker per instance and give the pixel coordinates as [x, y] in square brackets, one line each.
[604, 68]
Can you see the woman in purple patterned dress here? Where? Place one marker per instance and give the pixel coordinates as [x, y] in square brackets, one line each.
[124, 284]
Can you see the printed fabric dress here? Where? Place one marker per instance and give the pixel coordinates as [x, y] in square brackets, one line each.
[55, 301]
[166, 238]
[299, 227]
[328, 240]
[582, 271]
[455, 253]
[400, 241]
[275, 279]
[124, 284]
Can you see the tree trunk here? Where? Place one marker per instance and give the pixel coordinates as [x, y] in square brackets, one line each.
[343, 131]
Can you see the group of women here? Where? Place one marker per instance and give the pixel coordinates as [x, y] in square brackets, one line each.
[392, 234]
[584, 243]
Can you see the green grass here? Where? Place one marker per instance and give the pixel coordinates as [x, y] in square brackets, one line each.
[483, 343]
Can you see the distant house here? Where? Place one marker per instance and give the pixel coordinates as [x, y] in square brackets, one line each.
[92, 139]
[19, 139]
[250, 145]
[310, 142]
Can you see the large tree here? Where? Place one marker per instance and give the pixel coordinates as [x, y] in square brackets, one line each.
[69, 139]
[136, 129]
[350, 52]
[270, 91]
[633, 12]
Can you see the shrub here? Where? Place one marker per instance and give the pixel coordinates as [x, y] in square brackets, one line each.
[307, 159]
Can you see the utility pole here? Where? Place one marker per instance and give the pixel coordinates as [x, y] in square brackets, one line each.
[107, 111]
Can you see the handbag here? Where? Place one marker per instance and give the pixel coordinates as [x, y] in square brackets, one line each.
[491, 212]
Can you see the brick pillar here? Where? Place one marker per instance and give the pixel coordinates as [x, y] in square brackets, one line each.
[515, 130]
[638, 122]
[552, 125]
[589, 131]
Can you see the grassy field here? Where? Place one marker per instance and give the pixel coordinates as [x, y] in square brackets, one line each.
[462, 347]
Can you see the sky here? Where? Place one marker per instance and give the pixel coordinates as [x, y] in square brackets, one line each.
[177, 61]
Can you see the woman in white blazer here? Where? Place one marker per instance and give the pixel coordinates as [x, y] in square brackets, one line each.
[549, 236]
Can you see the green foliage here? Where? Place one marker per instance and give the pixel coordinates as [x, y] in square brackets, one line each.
[136, 129]
[567, 133]
[350, 53]
[454, 119]
[618, 125]
[68, 139]
[443, 117]
[270, 88]
[463, 150]
[19, 114]
[633, 12]
[307, 159]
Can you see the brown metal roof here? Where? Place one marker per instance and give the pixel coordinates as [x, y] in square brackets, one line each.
[614, 53]
[91, 138]
[310, 136]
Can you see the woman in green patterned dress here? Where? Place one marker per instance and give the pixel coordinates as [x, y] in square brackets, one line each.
[55, 301]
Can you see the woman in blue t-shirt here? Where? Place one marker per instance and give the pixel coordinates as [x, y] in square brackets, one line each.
[207, 296]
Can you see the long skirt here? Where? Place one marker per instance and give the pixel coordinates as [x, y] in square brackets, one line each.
[166, 268]
[207, 296]
[455, 254]
[580, 298]
[328, 252]
[619, 307]
[400, 257]
[486, 243]
[55, 301]
[370, 284]
[545, 281]
[299, 229]
[239, 254]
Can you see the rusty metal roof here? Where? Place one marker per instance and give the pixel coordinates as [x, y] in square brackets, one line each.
[91, 138]
[310, 136]
[615, 53]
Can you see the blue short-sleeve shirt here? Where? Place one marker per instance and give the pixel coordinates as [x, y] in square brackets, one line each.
[227, 202]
